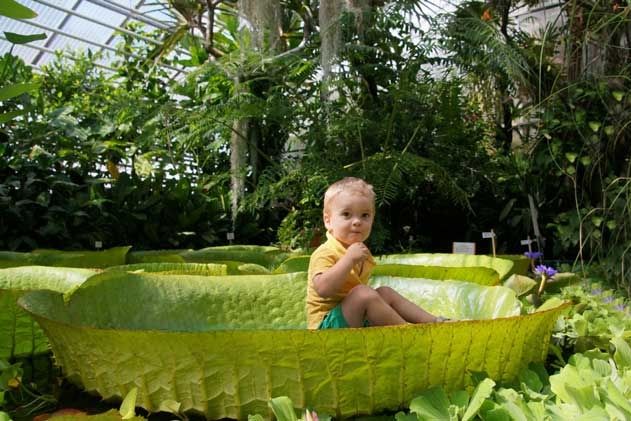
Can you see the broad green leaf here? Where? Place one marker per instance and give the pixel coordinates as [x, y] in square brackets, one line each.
[618, 95]
[242, 340]
[477, 275]
[283, 409]
[460, 398]
[4, 416]
[155, 256]
[520, 284]
[261, 255]
[514, 404]
[617, 398]
[432, 404]
[622, 356]
[256, 417]
[19, 335]
[480, 394]
[453, 299]
[294, 264]
[530, 379]
[521, 264]
[23, 39]
[16, 89]
[570, 156]
[502, 266]
[82, 259]
[128, 407]
[204, 269]
[550, 303]
[13, 9]
[572, 387]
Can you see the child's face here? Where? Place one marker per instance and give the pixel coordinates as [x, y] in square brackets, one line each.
[349, 217]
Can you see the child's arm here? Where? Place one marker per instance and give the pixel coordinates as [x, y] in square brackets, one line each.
[331, 281]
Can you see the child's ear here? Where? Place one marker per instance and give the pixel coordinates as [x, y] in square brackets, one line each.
[327, 220]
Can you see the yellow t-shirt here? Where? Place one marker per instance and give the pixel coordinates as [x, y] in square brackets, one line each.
[323, 258]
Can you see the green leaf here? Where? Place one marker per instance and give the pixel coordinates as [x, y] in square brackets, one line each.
[4, 416]
[476, 275]
[16, 89]
[402, 416]
[8, 116]
[261, 319]
[618, 95]
[622, 356]
[13, 9]
[128, 407]
[169, 405]
[454, 299]
[283, 408]
[432, 404]
[19, 335]
[520, 284]
[571, 156]
[617, 398]
[256, 417]
[23, 39]
[594, 125]
[480, 394]
[531, 380]
[609, 130]
[460, 398]
[501, 266]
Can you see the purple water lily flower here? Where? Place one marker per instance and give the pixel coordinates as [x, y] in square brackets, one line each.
[533, 254]
[547, 271]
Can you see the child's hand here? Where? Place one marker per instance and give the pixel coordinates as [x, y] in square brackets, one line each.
[357, 252]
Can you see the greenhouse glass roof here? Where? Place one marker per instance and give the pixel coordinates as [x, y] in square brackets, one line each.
[82, 25]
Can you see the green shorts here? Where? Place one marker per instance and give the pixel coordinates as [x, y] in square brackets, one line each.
[334, 319]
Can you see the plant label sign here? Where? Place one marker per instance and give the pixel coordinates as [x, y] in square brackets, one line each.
[462, 248]
[490, 234]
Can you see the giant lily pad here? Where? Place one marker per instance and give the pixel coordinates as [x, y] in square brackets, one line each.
[502, 266]
[477, 275]
[19, 335]
[267, 256]
[70, 259]
[224, 346]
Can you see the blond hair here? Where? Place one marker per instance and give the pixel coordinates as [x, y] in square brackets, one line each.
[349, 185]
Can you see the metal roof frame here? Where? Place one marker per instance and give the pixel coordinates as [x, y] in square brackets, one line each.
[74, 24]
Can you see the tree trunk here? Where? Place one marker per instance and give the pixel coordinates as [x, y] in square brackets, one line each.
[261, 32]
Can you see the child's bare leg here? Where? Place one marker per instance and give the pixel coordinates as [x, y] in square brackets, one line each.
[404, 307]
[364, 303]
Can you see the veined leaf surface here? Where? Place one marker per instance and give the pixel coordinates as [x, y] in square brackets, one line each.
[58, 258]
[477, 275]
[502, 266]
[166, 268]
[224, 346]
[19, 334]
[266, 256]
